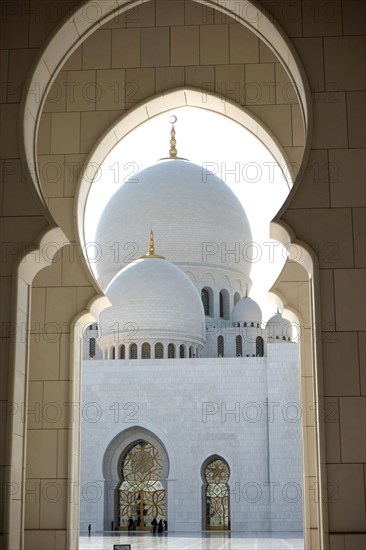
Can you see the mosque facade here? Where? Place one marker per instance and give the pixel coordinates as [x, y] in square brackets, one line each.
[190, 399]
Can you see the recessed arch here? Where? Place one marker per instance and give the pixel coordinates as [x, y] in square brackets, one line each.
[208, 279]
[224, 304]
[239, 345]
[122, 352]
[27, 114]
[171, 350]
[220, 346]
[215, 473]
[108, 464]
[159, 350]
[207, 296]
[210, 459]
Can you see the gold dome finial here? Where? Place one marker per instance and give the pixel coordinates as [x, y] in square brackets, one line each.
[152, 244]
[173, 151]
[151, 252]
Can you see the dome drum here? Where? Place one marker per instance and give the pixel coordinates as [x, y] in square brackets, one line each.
[152, 337]
[147, 349]
[152, 299]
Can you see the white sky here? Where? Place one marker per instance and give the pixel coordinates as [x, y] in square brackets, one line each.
[225, 148]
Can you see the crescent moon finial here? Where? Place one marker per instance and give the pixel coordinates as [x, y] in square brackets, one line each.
[173, 150]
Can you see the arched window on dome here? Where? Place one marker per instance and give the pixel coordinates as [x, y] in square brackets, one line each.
[191, 352]
[259, 346]
[171, 351]
[239, 346]
[113, 352]
[133, 351]
[122, 352]
[224, 302]
[92, 348]
[182, 352]
[207, 300]
[236, 298]
[146, 351]
[220, 346]
[159, 350]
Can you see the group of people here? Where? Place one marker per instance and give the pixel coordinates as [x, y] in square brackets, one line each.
[159, 527]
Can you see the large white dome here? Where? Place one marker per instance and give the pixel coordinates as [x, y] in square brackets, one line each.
[191, 210]
[153, 299]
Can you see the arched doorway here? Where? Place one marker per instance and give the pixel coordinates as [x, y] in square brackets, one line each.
[216, 475]
[141, 494]
[132, 460]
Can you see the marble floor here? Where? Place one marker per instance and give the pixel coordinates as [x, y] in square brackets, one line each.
[195, 541]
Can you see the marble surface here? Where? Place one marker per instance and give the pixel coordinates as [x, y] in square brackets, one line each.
[195, 541]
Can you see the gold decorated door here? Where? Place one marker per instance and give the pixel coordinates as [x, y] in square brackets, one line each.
[217, 495]
[141, 493]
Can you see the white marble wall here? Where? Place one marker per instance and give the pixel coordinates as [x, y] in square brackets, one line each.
[197, 408]
[284, 420]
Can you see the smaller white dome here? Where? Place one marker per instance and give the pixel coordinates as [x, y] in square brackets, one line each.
[152, 299]
[279, 329]
[246, 310]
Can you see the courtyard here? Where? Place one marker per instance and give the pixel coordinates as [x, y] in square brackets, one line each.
[195, 541]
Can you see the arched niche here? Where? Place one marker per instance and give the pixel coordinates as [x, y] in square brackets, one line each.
[207, 296]
[111, 463]
[215, 471]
